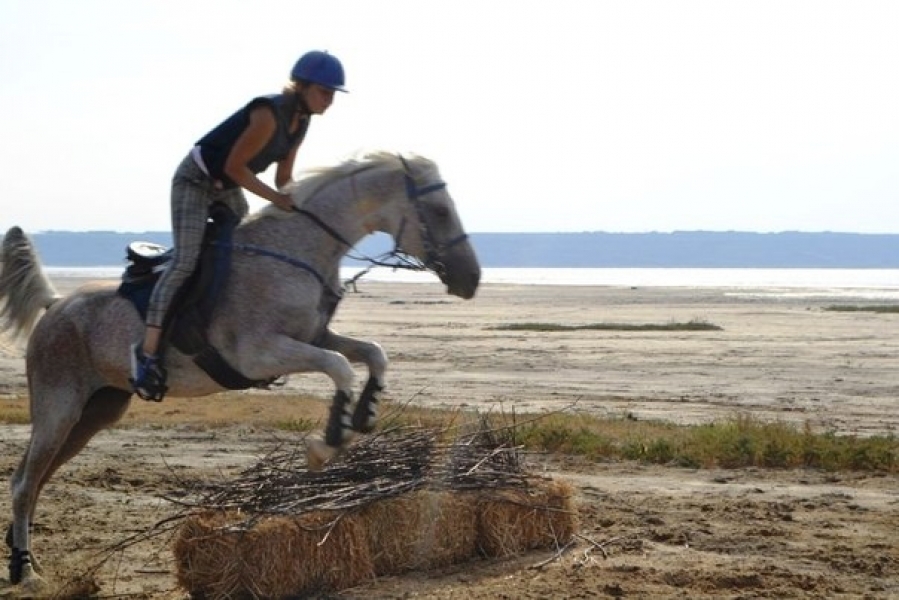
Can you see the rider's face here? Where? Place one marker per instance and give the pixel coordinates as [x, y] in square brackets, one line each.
[318, 98]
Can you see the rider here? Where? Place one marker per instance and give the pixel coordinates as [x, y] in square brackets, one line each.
[269, 129]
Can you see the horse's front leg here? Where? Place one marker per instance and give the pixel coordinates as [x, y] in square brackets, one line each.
[262, 358]
[365, 416]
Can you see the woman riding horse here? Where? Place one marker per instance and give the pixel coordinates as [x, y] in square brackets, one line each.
[273, 317]
[269, 129]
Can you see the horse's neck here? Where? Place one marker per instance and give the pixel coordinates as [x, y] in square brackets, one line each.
[347, 206]
[348, 210]
[300, 235]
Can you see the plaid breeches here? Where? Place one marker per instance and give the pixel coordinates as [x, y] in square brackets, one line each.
[193, 192]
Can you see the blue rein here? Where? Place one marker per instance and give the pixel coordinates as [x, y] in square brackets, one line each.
[258, 251]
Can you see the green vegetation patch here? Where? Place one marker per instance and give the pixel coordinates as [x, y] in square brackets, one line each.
[692, 325]
[731, 444]
[741, 442]
[875, 308]
[14, 415]
[298, 424]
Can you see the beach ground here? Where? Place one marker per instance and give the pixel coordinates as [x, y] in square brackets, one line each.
[646, 531]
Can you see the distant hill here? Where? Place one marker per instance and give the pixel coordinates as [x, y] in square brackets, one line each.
[679, 249]
[690, 249]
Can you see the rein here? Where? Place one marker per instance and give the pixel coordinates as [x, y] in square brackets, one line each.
[324, 226]
[433, 250]
[259, 251]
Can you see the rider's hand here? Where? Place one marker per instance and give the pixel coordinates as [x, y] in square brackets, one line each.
[284, 202]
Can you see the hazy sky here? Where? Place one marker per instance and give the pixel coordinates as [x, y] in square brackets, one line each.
[559, 115]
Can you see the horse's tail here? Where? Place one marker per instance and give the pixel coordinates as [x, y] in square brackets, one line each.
[25, 291]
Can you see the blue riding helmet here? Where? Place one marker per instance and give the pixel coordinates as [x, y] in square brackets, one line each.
[321, 68]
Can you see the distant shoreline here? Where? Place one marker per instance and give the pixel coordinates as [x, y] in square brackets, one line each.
[838, 284]
[698, 249]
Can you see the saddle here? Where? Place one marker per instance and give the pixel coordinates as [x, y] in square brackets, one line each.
[187, 321]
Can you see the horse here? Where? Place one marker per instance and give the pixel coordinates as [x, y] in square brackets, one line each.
[272, 317]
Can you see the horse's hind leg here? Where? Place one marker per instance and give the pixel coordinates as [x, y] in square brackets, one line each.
[54, 441]
[104, 408]
[49, 432]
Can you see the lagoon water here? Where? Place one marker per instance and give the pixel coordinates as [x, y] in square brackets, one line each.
[848, 283]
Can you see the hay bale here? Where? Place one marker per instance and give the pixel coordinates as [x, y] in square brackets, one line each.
[387, 508]
[511, 521]
[204, 555]
[424, 529]
[276, 557]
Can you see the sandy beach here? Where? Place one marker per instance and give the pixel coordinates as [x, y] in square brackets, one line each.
[693, 533]
[776, 357]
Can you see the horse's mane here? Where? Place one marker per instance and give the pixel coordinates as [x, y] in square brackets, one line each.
[312, 179]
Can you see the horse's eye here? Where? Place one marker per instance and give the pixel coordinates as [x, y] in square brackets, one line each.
[441, 212]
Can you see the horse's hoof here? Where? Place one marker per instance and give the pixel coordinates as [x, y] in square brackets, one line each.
[32, 584]
[318, 454]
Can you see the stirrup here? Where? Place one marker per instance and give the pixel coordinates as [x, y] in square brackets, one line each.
[148, 377]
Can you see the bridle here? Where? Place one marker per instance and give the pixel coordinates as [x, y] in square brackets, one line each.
[433, 249]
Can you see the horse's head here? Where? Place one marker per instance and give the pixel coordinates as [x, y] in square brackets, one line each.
[404, 197]
[430, 230]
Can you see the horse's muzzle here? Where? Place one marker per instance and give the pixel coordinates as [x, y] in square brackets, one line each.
[464, 284]
[458, 268]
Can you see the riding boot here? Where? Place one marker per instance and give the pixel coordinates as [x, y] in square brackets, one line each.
[148, 376]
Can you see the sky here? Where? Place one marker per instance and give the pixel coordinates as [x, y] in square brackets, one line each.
[543, 115]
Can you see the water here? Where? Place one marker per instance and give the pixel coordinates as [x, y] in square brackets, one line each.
[849, 283]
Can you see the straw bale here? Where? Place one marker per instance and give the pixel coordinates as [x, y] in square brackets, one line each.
[199, 549]
[424, 529]
[392, 505]
[275, 557]
[511, 521]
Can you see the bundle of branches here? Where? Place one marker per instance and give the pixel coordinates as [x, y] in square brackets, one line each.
[487, 457]
[376, 468]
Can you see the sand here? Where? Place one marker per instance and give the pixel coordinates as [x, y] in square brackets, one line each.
[777, 357]
[668, 532]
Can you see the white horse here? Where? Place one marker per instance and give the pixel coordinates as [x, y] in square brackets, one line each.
[272, 318]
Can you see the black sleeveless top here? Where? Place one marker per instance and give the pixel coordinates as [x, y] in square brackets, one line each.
[216, 145]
